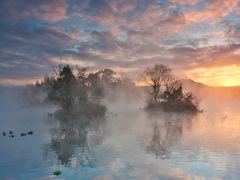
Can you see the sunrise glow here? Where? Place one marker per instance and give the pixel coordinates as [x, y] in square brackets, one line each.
[221, 76]
[119, 89]
[198, 38]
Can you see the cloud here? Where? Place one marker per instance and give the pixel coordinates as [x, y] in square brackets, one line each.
[99, 11]
[76, 32]
[159, 18]
[186, 2]
[155, 32]
[118, 34]
[213, 12]
[52, 11]
[104, 35]
[125, 6]
[232, 34]
[25, 50]
[224, 56]
[16, 82]
[209, 56]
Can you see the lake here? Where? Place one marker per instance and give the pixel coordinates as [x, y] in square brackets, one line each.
[128, 143]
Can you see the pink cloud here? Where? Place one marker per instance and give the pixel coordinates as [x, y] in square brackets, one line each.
[214, 11]
[232, 34]
[124, 6]
[76, 33]
[100, 12]
[156, 23]
[52, 11]
[110, 34]
[220, 56]
[186, 2]
[238, 10]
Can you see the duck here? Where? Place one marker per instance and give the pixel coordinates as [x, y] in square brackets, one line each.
[23, 134]
[10, 132]
[4, 134]
[30, 132]
[11, 136]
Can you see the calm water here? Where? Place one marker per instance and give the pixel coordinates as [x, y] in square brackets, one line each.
[127, 144]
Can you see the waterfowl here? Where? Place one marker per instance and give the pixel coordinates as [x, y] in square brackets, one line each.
[10, 132]
[30, 132]
[12, 136]
[23, 134]
[4, 134]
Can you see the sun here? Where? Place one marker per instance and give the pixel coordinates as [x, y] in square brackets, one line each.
[230, 82]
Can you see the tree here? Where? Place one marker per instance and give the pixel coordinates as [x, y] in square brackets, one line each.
[155, 77]
[173, 89]
[167, 92]
[107, 76]
[96, 90]
[74, 90]
[81, 87]
[63, 89]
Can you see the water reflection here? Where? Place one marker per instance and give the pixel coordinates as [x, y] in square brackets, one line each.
[166, 133]
[73, 141]
[131, 145]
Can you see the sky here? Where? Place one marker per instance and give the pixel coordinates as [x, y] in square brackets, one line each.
[197, 39]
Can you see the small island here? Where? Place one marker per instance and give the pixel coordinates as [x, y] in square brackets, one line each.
[166, 91]
[77, 92]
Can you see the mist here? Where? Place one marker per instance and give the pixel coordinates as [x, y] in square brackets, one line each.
[128, 142]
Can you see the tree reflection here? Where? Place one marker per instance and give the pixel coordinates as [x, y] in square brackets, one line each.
[73, 141]
[165, 136]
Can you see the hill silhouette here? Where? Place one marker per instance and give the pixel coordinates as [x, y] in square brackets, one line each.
[203, 91]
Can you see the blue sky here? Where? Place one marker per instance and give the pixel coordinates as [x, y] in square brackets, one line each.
[198, 39]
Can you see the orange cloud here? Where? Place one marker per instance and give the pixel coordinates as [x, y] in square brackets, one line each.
[15, 82]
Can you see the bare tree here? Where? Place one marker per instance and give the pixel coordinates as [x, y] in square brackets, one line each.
[173, 88]
[155, 77]
[166, 91]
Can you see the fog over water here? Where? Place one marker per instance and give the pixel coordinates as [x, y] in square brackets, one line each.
[128, 143]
